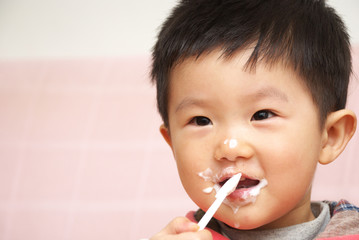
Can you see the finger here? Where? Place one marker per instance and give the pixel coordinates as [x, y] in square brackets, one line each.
[180, 225]
[200, 235]
[205, 234]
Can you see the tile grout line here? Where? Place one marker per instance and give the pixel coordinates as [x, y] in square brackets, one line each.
[92, 117]
[20, 157]
[142, 185]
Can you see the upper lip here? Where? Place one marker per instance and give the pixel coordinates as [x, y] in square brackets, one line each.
[245, 181]
[226, 175]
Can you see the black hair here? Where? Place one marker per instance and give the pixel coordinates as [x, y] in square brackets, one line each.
[306, 35]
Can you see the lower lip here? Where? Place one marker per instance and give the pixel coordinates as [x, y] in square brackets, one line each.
[246, 194]
[238, 194]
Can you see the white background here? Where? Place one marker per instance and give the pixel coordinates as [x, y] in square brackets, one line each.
[90, 28]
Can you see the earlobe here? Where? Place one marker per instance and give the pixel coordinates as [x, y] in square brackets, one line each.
[338, 130]
[166, 134]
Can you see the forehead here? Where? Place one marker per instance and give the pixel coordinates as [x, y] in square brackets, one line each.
[242, 58]
[194, 67]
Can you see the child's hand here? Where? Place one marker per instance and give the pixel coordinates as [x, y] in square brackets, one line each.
[182, 228]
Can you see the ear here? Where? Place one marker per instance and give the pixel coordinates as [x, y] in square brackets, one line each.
[338, 130]
[166, 134]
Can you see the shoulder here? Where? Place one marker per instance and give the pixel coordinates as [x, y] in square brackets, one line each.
[341, 206]
[344, 220]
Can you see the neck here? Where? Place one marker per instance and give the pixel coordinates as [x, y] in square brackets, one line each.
[300, 214]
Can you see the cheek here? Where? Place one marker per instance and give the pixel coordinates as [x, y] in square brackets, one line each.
[192, 155]
[189, 162]
[296, 169]
[290, 166]
[191, 159]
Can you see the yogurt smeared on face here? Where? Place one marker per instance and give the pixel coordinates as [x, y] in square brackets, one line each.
[208, 190]
[239, 197]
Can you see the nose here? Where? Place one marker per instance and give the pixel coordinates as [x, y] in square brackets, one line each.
[232, 149]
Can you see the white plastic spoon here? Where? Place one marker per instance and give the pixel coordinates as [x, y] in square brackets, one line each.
[222, 193]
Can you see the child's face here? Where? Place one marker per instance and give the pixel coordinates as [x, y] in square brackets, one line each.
[263, 124]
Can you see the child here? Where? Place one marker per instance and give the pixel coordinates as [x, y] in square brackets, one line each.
[256, 87]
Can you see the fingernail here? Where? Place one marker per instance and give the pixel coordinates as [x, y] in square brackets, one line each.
[193, 226]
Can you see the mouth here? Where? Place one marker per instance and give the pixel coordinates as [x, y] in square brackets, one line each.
[244, 183]
[246, 190]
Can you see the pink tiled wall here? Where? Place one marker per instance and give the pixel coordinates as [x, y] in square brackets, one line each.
[81, 156]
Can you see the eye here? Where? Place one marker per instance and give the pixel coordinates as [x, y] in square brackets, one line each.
[201, 121]
[262, 115]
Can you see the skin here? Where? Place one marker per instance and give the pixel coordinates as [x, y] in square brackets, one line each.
[275, 123]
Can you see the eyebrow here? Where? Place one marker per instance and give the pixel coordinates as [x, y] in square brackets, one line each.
[188, 102]
[270, 92]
